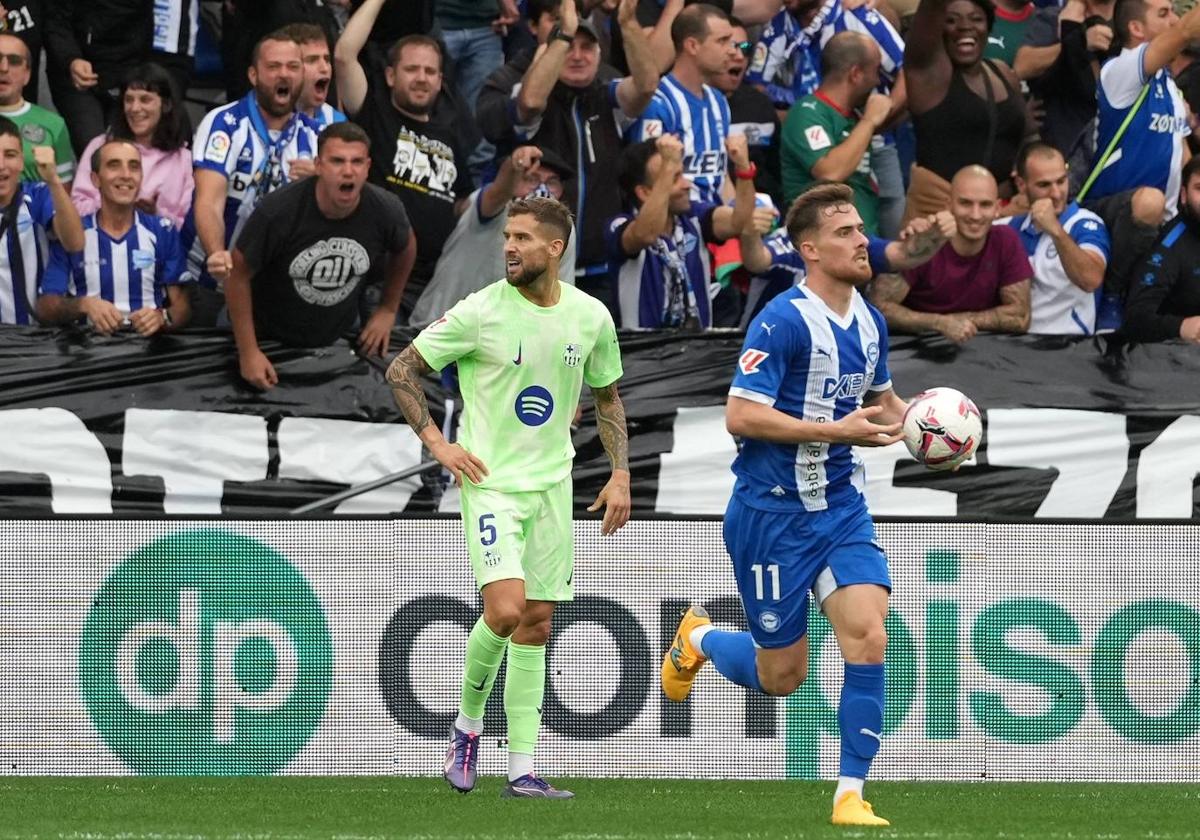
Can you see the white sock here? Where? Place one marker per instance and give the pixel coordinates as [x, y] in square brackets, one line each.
[519, 764]
[466, 724]
[697, 636]
[846, 783]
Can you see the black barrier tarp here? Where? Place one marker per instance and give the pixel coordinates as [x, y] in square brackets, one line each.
[98, 379]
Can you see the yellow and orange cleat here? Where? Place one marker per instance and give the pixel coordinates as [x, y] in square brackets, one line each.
[851, 809]
[682, 662]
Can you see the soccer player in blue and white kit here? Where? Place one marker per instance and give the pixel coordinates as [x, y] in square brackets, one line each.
[812, 382]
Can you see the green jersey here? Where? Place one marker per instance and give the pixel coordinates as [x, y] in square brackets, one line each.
[1008, 33]
[40, 127]
[521, 368]
[813, 128]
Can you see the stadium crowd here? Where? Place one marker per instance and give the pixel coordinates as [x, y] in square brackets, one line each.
[1021, 167]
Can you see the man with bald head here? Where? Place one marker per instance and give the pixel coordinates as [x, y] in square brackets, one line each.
[825, 139]
[979, 280]
[39, 127]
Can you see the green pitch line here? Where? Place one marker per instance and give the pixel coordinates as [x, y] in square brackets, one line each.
[371, 807]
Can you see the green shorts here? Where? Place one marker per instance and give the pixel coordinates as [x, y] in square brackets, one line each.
[526, 536]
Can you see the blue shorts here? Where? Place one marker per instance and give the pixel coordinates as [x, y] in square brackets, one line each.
[778, 558]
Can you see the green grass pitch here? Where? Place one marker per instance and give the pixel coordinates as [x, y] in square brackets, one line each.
[372, 807]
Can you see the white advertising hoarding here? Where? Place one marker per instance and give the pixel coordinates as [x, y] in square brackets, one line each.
[1016, 651]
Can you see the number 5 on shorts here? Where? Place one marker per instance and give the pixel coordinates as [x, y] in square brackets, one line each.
[487, 531]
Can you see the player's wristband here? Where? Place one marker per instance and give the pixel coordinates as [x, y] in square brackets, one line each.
[747, 174]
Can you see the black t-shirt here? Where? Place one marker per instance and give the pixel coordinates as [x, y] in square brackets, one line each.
[422, 164]
[309, 270]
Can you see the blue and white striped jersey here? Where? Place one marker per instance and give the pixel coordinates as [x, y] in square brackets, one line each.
[1150, 153]
[23, 253]
[701, 123]
[805, 360]
[787, 58]
[234, 141]
[667, 284]
[131, 273]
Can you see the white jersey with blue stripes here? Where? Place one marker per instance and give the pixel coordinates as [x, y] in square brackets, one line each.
[131, 273]
[1150, 153]
[787, 58]
[24, 252]
[701, 124]
[234, 141]
[806, 360]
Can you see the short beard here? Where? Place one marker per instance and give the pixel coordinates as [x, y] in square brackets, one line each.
[853, 276]
[412, 107]
[527, 275]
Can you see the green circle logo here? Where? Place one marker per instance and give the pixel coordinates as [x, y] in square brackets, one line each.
[205, 652]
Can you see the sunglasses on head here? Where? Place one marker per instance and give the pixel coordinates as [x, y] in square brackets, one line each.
[745, 47]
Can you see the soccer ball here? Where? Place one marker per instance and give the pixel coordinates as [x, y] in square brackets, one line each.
[942, 428]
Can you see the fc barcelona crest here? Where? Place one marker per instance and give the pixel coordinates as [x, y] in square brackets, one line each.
[572, 355]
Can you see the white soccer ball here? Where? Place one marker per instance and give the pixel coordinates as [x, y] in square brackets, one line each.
[942, 428]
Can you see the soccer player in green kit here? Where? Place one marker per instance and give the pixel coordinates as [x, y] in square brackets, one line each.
[525, 345]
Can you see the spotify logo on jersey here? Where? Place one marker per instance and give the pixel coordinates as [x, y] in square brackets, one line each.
[205, 652]
[534, 405]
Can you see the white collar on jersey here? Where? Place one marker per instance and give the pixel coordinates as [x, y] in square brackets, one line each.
[843, 322]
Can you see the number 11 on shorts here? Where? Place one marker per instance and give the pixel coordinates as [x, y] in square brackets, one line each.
[773, 573]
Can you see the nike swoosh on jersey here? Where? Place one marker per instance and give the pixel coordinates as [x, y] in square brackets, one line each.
[517, 360]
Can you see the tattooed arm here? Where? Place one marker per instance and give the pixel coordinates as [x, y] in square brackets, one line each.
[888, 293]
[404, 376]
[610, 418]
[1011, 316]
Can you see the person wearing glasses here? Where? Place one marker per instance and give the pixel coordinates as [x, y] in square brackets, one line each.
[26, 19]
[752, 114]
[39, 127]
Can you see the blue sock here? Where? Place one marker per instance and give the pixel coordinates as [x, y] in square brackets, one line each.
[733, 655]
[860, 712]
